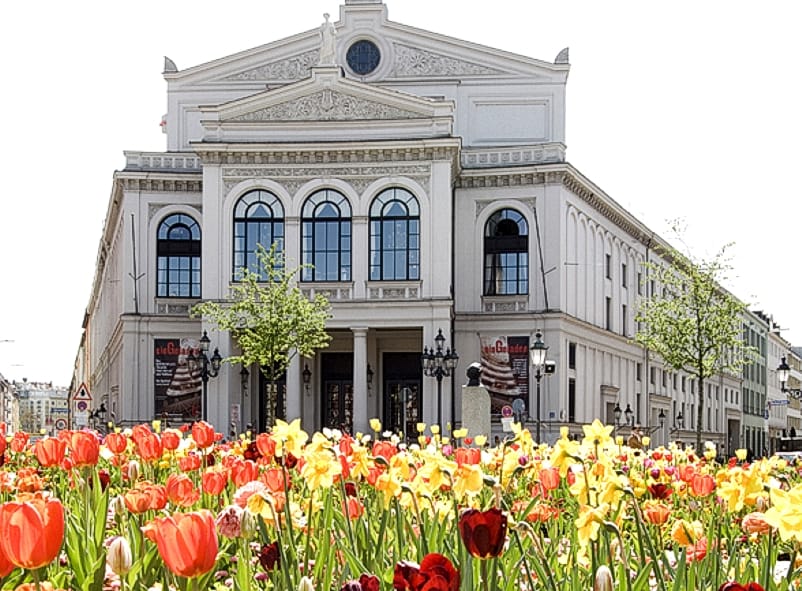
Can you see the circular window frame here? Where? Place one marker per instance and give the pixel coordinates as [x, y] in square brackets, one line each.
[385, 57]
[365, 41]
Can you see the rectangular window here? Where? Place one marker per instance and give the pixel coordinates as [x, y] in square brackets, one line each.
[638, 371]
[640, 283]
[571, 355]
[637, 407]
[652, 374]
[665, 379]
[608, 313]
[674, 381]
[623, 274]
[608, 266]
[683, 383]
[571, 400]
[624, 326]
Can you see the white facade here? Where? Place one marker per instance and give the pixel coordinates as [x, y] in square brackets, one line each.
[474, 137]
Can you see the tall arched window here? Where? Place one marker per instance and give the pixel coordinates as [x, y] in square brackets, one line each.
[258, 219]
[394, 236]
[326, 222]
[178, 260]
[506, 254]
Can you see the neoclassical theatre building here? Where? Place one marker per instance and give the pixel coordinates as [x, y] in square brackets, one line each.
[426, 180]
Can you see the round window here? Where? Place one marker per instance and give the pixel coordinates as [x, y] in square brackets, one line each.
[363, 57]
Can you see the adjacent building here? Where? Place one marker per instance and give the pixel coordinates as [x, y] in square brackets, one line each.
[425, 180]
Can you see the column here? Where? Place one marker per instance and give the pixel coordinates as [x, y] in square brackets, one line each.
[361, 417]
[294, 388]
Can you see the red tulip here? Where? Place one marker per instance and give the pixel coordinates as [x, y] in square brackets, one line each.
[19, 441]
[483, 532]
[171, 440]
[187, 542]
[244, 471]
[33, 531]
[203, 434]
[189, 463]
[702, 484]
[181, 490]
[50, 451]
[214, 481]
[84, 448]
[467, 455]
[550, 478]
[733, 586]
[435, 573]
[269, 556]
[149, 446]
[116, 442]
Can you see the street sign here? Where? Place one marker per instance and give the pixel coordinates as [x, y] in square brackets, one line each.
[778, 402]
[81, 419]
[82, 393]
[506, 411]
[60, 424]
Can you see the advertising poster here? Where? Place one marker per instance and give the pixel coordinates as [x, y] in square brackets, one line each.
[177, 387]
[505, 369]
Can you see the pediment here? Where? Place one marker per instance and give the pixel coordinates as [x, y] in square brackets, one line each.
[333, 101]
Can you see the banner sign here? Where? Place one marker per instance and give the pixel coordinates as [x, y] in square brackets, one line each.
[177, 387]
[505, 369]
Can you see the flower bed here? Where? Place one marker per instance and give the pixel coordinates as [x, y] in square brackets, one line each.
[183, 509]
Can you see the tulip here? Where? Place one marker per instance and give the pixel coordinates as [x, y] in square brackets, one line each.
[6, 566]
[84, 448]
[119, 556]
[213, 481]
[181, 490]
[33, 531]
[702, 485]
[116, 443]
[733, 586]
[50, 451]
[149, 446]
[203, 434]
[435, 573]
[604, 579]
[483, 532]
[269, 556]
[171, 439]
[187, 542]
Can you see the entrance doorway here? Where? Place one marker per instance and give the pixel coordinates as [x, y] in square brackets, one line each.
[272, 402]
[338, 391]
[402, 392]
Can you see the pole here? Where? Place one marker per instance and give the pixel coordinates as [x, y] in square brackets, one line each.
[439, 398]
[205, 380]
[537, 379]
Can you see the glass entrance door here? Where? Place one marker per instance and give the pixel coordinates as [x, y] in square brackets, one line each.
[402, 392]
[338, 391]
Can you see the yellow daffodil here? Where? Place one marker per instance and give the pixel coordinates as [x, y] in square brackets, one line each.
[597, 434]
[468, 479]
[320, 469]
[687, 533]
[290, 438]
[376, 425]
[589, 522]
[785, 513]
[389, 484]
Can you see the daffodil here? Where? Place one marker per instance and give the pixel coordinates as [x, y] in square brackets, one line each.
[597, 434]
[785, 513]
[320, 469]
[589, 522]
[290, 438]
[468, 479]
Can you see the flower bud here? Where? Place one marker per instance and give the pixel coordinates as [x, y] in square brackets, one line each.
[119, 556]
[248, 524]
[133, 470]
[305, 584]
[603, 580]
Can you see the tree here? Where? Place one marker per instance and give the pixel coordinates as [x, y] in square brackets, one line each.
[693, 323]
[270, 319]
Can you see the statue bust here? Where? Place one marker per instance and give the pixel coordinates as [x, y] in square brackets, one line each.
[474, 371]
[327, 43]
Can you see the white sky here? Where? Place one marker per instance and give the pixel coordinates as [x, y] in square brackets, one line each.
[684, 109]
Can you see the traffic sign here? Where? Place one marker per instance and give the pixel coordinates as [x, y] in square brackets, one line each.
[506, 411]
[60, 424]
[782, 402]
[82, 393]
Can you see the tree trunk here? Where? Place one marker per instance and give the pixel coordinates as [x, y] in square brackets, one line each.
[700, 414]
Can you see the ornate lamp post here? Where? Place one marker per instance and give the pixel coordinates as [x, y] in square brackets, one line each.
[209, 368]
[439, 364]
[783, 373]
[538, 354]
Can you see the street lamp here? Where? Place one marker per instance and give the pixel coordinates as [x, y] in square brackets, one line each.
[209, 368]
[307, 376]
[662, 418]
[538, 354]
[439, 364]
[783, 373]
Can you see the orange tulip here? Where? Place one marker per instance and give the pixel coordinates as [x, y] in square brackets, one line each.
[180, 490]
[656, 513]
[214, 481]
[171, 439]
[755, 523]
[244, 471]
[84, 448]
[550, 478]
[189, 463]
[137, 500]
[33, 531]
[203, 434]
[353, 508]
[467, 455]
[6, 566]
[702, 484]
[149, 446]
[19, 441]
[116, 442]
[266, 445]
[50, 451]
[187, 542]
[274, 479]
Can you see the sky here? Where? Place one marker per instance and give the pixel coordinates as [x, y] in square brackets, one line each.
[677, 110]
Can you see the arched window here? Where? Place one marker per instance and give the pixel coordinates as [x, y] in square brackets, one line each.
[506, 254]
[394, 236]
[178, 262]
[258, 219]
[326, 222]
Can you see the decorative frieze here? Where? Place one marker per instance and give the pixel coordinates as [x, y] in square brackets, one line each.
[328, 105]
[162, 185]
[155, 208]
[506, 179]
[502, 304]
[333, 292]
[172, 309]
[602, 205]
[288, 70]
[417, 62]
[513, 156]
[394, 291]
[162, 161]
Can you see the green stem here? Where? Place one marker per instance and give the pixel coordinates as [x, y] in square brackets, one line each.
[485, 581]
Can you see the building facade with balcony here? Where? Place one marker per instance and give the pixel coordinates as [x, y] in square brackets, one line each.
[425, 179]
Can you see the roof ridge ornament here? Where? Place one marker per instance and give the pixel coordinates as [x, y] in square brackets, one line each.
[562, 57]
[328, 43]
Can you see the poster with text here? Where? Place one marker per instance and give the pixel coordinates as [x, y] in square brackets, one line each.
[177, 386]
[505, 369]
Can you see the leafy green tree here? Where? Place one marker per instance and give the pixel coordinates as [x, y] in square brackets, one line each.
[271, 320]
[693, 323]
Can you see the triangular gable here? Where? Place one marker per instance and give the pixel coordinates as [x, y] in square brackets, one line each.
[329, 98]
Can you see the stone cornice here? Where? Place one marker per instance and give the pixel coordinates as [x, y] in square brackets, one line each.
[163, 182]
[336, 153]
